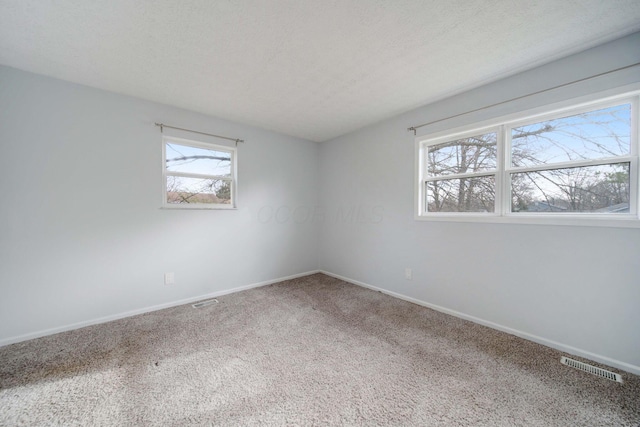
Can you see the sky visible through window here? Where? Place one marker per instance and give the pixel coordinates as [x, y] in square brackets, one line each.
[592, 135]
[183, 158]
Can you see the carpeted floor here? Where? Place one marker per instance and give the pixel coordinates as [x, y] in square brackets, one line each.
[310, 351]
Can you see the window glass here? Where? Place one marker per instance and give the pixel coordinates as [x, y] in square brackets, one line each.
[472, 154]
[462, 195]
[183, 158]
[596, 189]
[198, 175]
[590, 135]
[182, 190]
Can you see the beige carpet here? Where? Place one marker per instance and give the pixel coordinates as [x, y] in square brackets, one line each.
[310, 351]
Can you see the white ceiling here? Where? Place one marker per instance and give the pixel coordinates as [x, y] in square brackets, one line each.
[315, 69]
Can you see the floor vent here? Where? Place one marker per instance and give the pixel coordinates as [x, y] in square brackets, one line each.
[591, 369]
[201, 304]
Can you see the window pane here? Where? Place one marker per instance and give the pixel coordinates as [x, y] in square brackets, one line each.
[597, 189]
[591, 135]
[466, 155]
[195, 190]
[462, 195]
[182, 158]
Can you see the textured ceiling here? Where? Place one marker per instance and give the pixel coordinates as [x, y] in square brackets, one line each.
[310, 68]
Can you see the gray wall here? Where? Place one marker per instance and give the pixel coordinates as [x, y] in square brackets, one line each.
[575, 288]
[83, 238]
[82, 233]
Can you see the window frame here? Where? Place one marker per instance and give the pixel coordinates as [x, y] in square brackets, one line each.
[450, 138]
[503, 125]
[206, 146]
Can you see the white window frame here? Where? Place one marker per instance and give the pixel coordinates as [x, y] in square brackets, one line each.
[502, 126]
[207, 146]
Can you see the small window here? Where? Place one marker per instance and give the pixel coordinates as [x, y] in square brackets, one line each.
[576, 163]
[198, 175]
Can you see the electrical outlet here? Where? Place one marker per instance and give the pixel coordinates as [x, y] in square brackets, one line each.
[169, 279]
[408, 274]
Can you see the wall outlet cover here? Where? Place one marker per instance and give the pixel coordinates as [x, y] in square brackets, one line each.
[169, 278]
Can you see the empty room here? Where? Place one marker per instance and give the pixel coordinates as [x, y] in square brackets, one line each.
[282, 212]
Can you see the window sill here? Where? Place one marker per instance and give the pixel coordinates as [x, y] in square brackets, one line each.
[626, 221]
[199, 207]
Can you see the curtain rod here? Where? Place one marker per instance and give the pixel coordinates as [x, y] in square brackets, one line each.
[414, 128]
[162, 126]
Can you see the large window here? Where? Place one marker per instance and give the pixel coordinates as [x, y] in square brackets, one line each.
[198, 175]
[576, 163]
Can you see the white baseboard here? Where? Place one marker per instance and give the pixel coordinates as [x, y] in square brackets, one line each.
[78, 325]
[540, 340]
